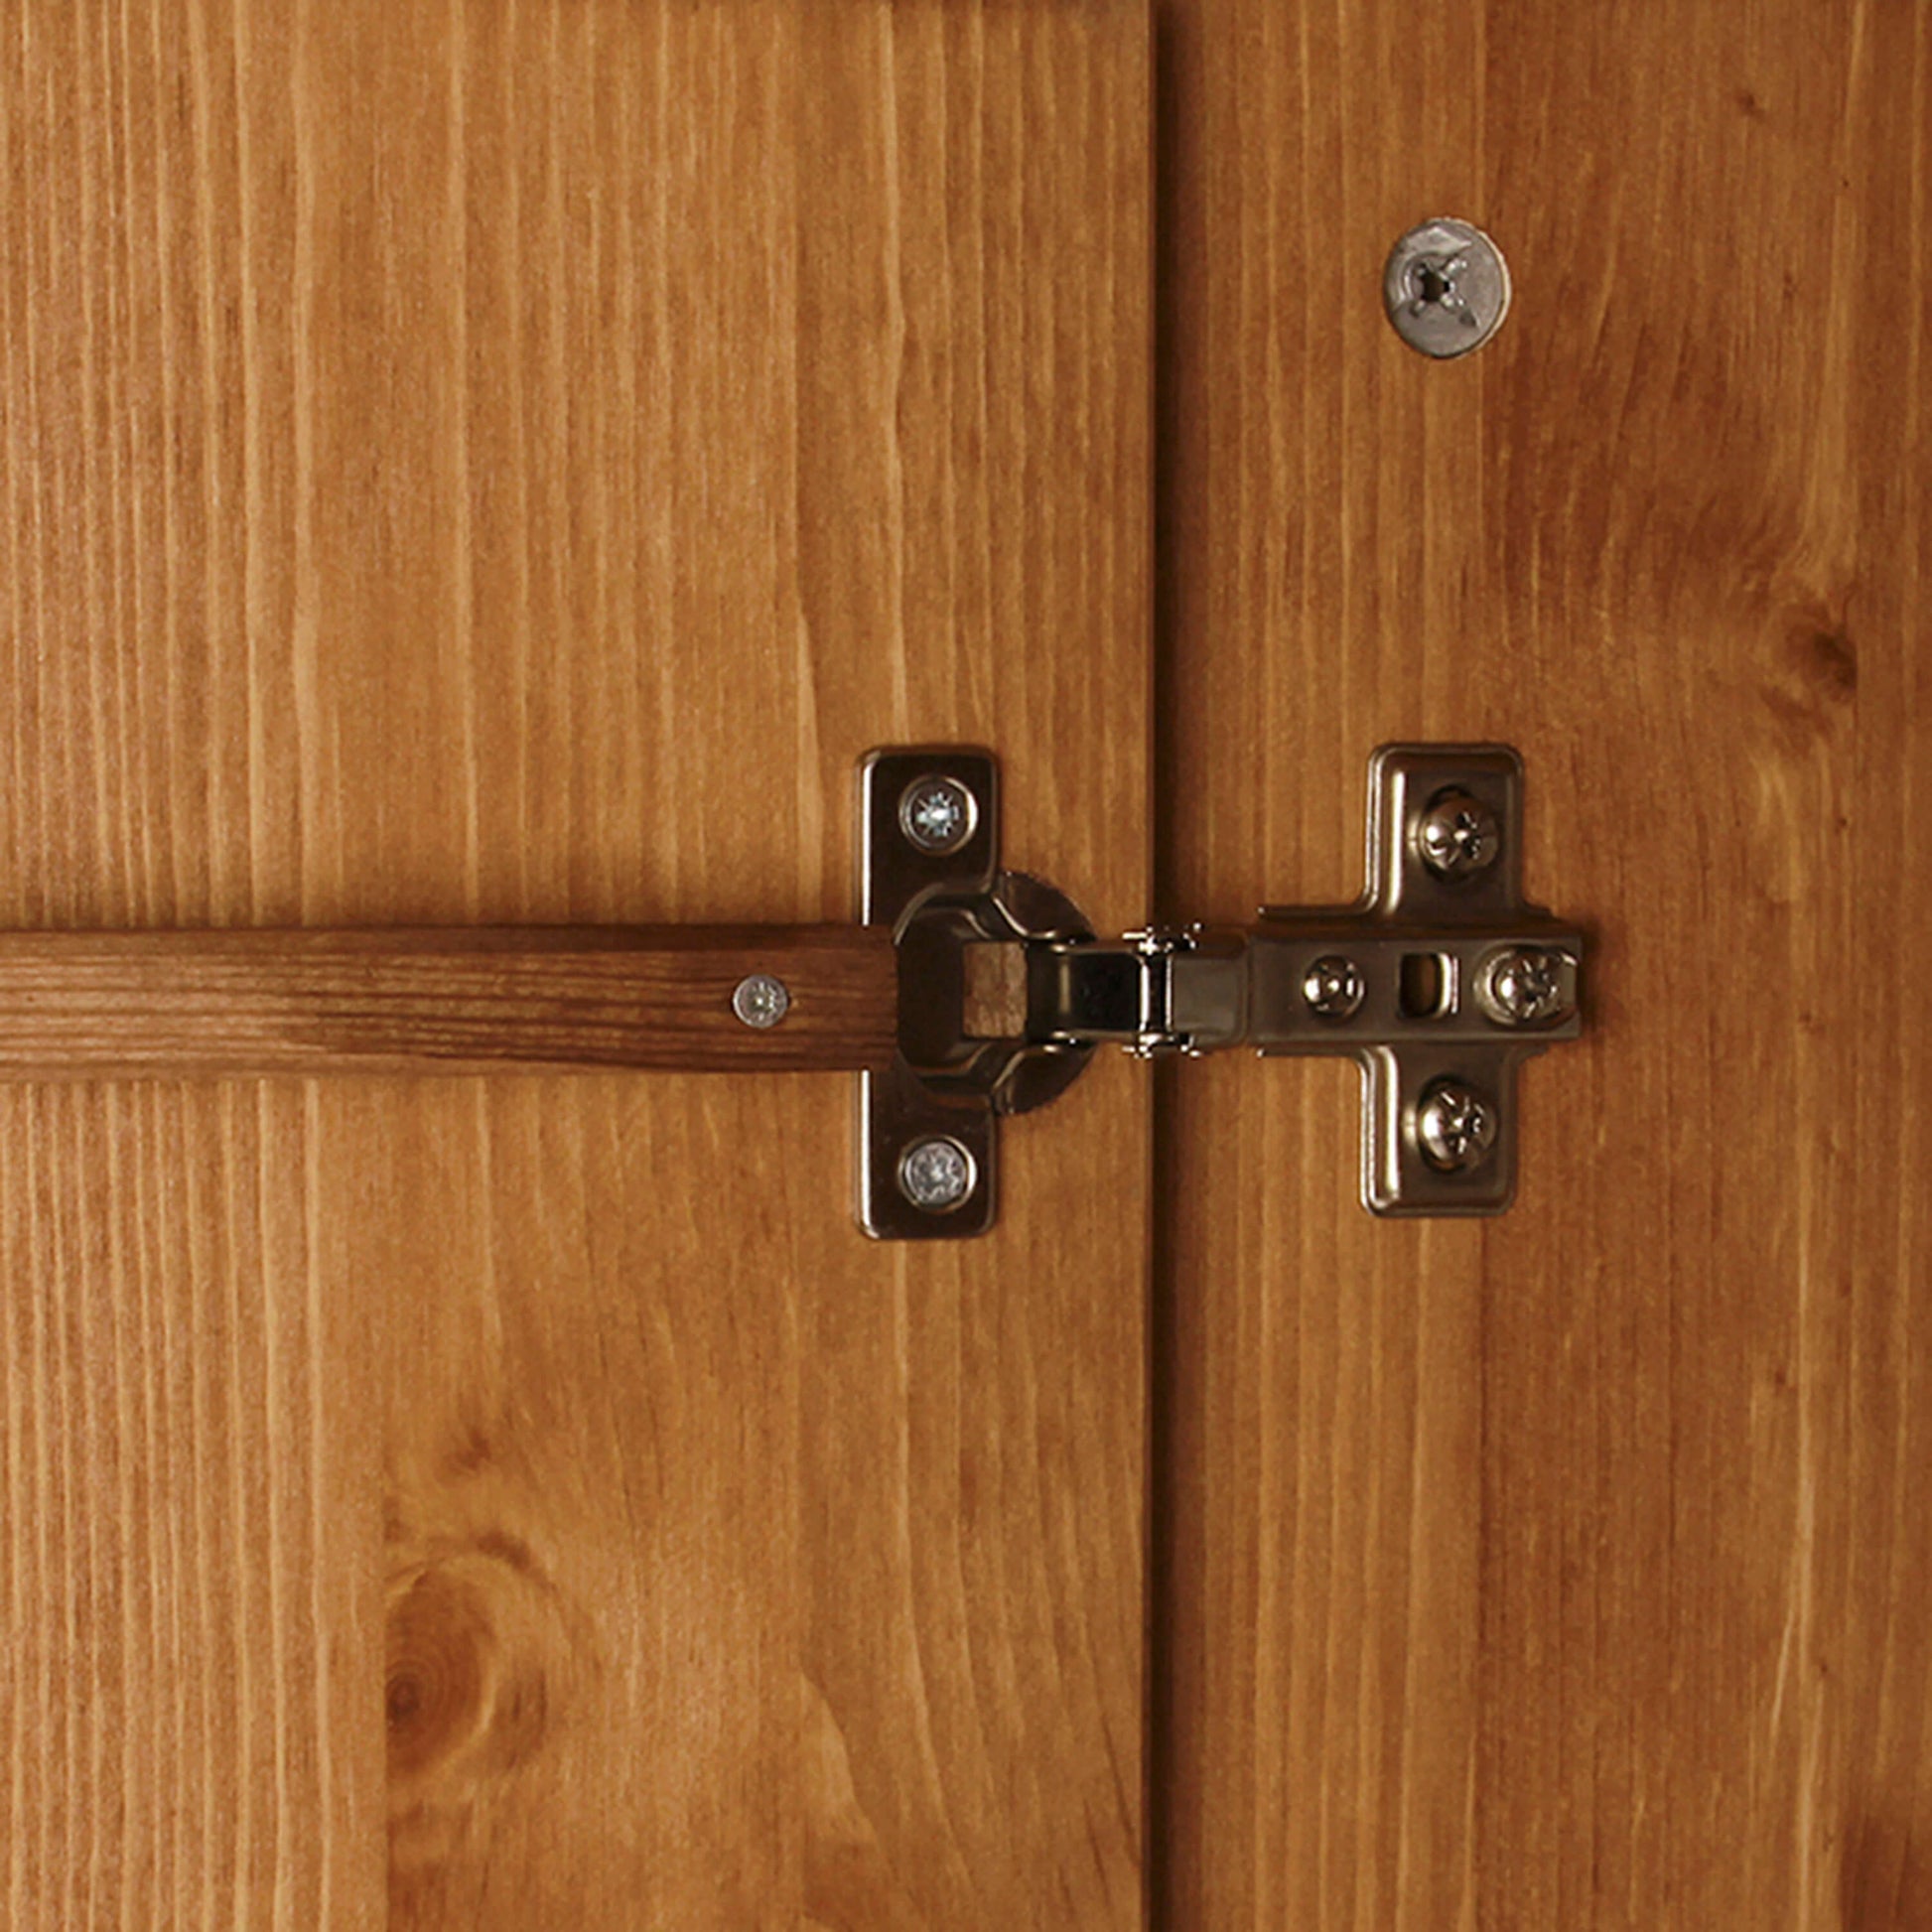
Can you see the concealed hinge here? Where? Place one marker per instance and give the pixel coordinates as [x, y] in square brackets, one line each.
[1441, 981]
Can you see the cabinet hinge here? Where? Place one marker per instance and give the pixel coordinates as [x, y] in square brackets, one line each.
[1441, 981]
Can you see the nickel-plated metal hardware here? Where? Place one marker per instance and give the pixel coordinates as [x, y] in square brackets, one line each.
[1455, 1127]
[1527, 986]
[1457, 834]
[938, 898]
[1441, 981]
[1446, 287]
[937, 1174]
[760, 1000]
[1333, 987]
[937, 814]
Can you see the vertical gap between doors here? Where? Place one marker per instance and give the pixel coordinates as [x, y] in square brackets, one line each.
[1175, 46]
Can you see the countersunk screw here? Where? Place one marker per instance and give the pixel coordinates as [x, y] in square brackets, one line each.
[760, 1000]
[936, 814]
[1458, 836]
[935, 1173]
[1332, 986]
[1446, 287]
[1456, 1126]
[1525, 986]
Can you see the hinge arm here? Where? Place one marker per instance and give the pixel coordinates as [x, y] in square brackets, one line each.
[1324, 985]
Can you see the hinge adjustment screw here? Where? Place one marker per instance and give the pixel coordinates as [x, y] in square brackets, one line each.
[1332, 986]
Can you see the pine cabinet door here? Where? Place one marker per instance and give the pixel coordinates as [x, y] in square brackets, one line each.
[489, 463]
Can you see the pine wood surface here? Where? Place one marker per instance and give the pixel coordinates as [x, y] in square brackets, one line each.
[438, 1000]
[1568, 1570]
[505, 464]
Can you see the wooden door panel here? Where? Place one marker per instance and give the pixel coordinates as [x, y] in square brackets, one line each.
[1565, 1571]
[494, 462]
[191, 1521]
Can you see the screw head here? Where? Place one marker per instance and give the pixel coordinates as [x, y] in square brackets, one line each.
[1446, 287]
[1458, 836]
[760, 1000]
[937, 814]
[1456, 1126]
[1332, 985]
[936, 1174]
[1525, 986]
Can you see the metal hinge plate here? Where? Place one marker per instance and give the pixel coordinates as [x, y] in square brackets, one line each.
[1441, 981]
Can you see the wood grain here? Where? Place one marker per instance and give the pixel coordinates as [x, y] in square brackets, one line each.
[1567, 1572]
[189, 1518]
[438, 1000]
[504, 463]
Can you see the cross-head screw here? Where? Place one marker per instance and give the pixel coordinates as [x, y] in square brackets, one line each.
[1332, 986]
[1456, 1126]
[760, 1000]
[936, 1174]
[1526, 986]
[936, 814]
[1446, 287]
[1457, 835]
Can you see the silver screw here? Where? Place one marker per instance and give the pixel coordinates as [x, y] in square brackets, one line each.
[937, 814]
[1455, 1127]
[1525, 986]
[1332, 986]
[760, 1000]
[1446, 287]
[1458, 836]
[937, 1174]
